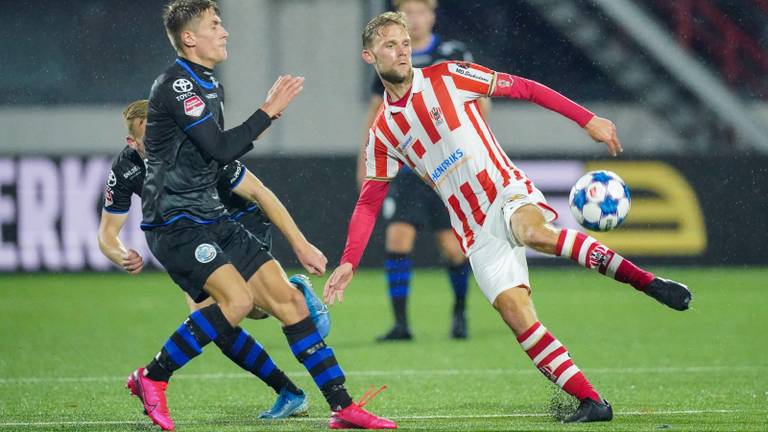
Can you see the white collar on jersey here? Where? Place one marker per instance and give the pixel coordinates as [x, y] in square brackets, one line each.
[416, 87]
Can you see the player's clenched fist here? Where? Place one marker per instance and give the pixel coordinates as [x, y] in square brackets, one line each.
[132, 262]
[335, 285]
[281, 94]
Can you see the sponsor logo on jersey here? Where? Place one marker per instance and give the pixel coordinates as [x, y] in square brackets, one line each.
[466, 70]
[437, 115]
[194, 106]
[236, 174]
[183, 96]
[131, 172]
[406, 143]
[446, 164]
[182, 85]
[108, 196]
[211, 95]
[205, 253]
[112, 180]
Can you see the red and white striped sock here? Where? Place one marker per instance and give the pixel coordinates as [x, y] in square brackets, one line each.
[553, 360]
[590, 253]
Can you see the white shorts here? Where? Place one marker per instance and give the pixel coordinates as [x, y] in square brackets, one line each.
[497, 260]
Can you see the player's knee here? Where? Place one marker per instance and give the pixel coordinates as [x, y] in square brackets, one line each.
[238, 305]
[535, 237]
[513, 300]
[298, 301]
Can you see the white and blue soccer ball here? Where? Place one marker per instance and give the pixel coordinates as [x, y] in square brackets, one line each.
[600, 200]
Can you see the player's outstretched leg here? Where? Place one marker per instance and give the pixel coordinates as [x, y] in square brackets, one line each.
[399, 268]
[549, 355]
[273, 292]
[530, 229]
[149, 384]
[318, 358]
[590, 253]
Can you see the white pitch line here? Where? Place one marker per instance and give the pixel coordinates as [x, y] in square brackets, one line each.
[415, 417]
[395, 373]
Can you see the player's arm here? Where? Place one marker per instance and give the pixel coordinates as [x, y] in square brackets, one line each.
[379, 172]
[226, 146]
[117, 202]
[110, 245]
[515, 87]
[252, 189]
[361, 225]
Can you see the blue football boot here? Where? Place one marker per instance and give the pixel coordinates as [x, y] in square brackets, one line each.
[318, 311]
[287, 405]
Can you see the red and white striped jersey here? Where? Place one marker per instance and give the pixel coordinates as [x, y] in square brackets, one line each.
[442, 136]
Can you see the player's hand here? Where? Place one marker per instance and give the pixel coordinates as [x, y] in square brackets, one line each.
[281, 94]
[312, 259]
[132, 262]
[335, 285]
[604, 131]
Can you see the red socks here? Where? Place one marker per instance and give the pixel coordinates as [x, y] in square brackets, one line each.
[590, 253]
[553, 360]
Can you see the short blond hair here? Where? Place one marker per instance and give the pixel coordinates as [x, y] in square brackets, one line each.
[380, 21]
[432, 4]
[135, 110]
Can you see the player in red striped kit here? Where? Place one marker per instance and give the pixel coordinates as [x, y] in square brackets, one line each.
[431, 123]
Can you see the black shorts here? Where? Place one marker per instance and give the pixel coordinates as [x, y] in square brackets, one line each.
[411, 201]
[190, 252]
[259, 225]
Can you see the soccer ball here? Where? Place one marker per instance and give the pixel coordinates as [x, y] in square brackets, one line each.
[600, 200]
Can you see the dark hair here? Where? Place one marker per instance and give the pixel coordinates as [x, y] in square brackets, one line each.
[179, 13]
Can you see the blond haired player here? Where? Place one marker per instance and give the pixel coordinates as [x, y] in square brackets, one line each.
[411, 207]
[432, 124]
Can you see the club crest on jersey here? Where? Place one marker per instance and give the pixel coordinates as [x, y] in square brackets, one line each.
[194, 106]
[437, 115]
[205, 253]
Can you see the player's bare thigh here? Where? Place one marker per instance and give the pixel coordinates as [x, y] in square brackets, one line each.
[273, 293]
[530, 228]
[231, 292]
[449, 247]
[400, 237]
[255, 314]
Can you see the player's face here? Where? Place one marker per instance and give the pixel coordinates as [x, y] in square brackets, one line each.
[135, 139]
[210, 38]
[421, 19]
[391, 54]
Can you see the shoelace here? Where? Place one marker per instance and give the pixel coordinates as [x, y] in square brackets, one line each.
[369, 395]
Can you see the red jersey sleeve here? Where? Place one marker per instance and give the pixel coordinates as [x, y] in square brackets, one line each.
[471, 77]
[363, 220]
[515, 87]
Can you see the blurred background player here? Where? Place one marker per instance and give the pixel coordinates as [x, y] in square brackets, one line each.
[411, 205]
[126, 179]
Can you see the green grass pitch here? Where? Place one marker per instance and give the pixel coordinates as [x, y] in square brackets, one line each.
[68, 341]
